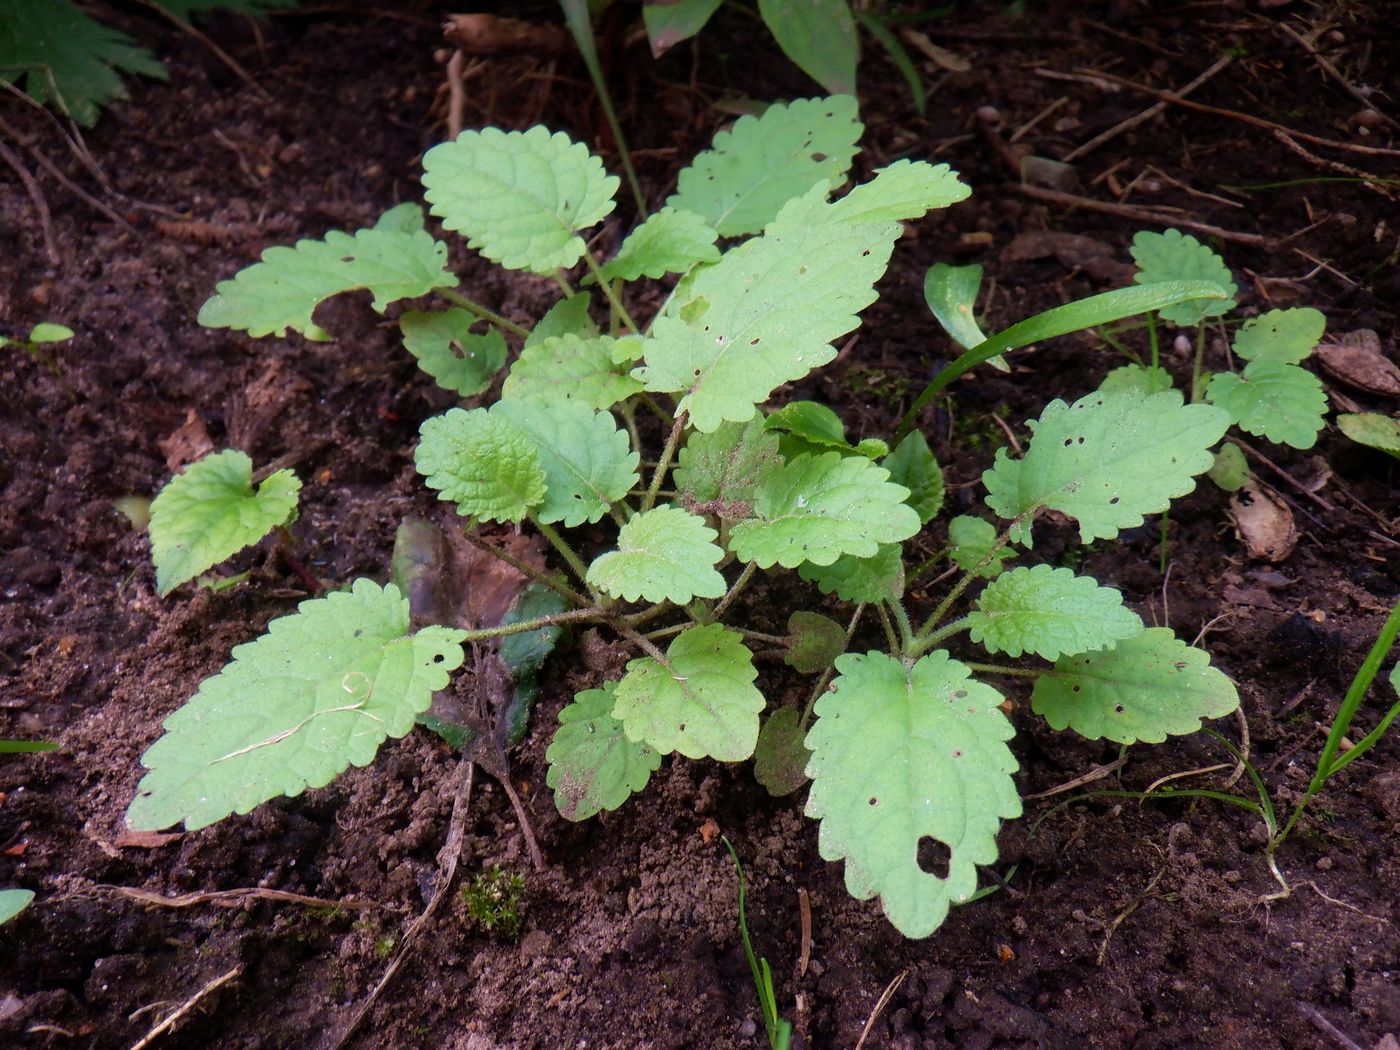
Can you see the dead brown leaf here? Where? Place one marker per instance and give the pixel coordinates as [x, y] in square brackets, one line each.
[1094, 257]
[1263, 522]
[189, 441]
[261, 402]
[146, 839]
[1356, 359]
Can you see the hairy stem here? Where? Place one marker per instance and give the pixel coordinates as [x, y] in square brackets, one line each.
[946, 631]
[1010, 672]
[562, 589]
[610, 292]
[562, 546]
[562, 280]
[906, 629]
[936, 617]
[891, 639]
[593, 615]
[664, 463]
[1196, 364]
[1153, 340]
[472, 306]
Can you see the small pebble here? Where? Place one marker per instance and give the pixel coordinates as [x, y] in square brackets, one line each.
[747, 1029]
[1324, 864]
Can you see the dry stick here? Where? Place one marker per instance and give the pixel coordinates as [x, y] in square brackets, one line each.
[1370, 181]
[1132, 211]
[448, 857]
[40, 205]
[1323, 1025]
[1146, 115]
[1283, 474]
[1097, 773]
[1245, 118]
[804, 909]
[1331, 70]
[75, 140]
[1122, 916]
[68, 183]
[457, 96]
[218, 52]
[232, 898]
[880, 1004]
[190, 1004]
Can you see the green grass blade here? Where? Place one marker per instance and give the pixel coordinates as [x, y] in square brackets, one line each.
[876, 27]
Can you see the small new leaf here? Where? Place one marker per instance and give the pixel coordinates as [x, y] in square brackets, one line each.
[1140, 379]
[912, 465]
[817, 508]
[951, 295]
[482, 463]
[1107, 460]
[592, 764]
[319, 692]
[1281, 402]
[519, 196]
[1176, 256]
[447, 350]
[813, 642]
[210, 512]
[900, 755]
[1049, 612]
[666, 554]
[670, 241]
[570, 367]
[877, 578]
[284, 289]
[780, 757]
[702, 703]
[1281, 336]
[971, 540]
[1143, 689]
[741, 183]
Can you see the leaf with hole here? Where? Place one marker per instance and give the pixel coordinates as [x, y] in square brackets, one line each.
[741, 183]
[902, 756]
[1280, 336]
[570, 367]
[1141, 690]
[520, 197]
[1049, 612]
[1106, 461]
[317, 693]
[211, 512]
[1281, 402]
[1176, 256]
[702, 703]
[817, 508]
[592, 764]
[664, 554]
[446, 348]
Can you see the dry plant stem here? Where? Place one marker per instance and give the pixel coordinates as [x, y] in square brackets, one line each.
[563, 590]
[1327, 67]
[527, 832]
[1375, 183]
[1255, 454]
[664, 463]
[75, 140]
[1132, 211]
[72, 187]
[448, 858]
[1245, 118]
[1097, 773]
[218, 52]
[1321, 1023]
[231, 898]
[41, 206]
[472, 306]
[189, 1004]
[1122, 916]
[1146, 115]
[880, 1005]
[457, 95]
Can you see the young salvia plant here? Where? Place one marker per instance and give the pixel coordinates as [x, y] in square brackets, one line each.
[655, 436]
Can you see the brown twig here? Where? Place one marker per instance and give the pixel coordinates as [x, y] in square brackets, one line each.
[1370, 181]
[68, 183]
[1244, 118]
[189, 1004]
[880, 1004]
[1141, 214]
[1256, 454]
[223, 56]
[232, 898]
[36, 195]
[1331, 70]
[1146, 115]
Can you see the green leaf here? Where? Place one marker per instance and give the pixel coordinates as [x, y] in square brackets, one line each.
[1230, 471]
[587, 460]
[319, 692]
[1107, 461]
[817, 508]
[570, 367]
[741, 183]
[912, 465]
[972, 539]
[1372, 430]
[900, 192]
[665, 554]
[951, 294]
[780, 757]
[1142, 689]
[704, 705]
[1281, 336]
[814, 423]
[482, 463]
[901, 755]
[446, 349]
[519, 196]
[566, 317]
[48, 332]
[1176, 256]
[524, 654]
[764, 315]
[68, 59]
[721, 471]
[592, 764]
[14, 901]
[814, 641]
[1280, 402]
[820, 38]
[670, 241]
[210, 512]
[284, 289]
[1140, 379]
[877, 578]
[669, 22]
[899, 55]
[1049, 612]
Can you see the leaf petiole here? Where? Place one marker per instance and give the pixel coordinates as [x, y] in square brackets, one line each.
[472, 306]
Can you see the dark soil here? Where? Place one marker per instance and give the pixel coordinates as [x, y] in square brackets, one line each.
[1121, 924]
